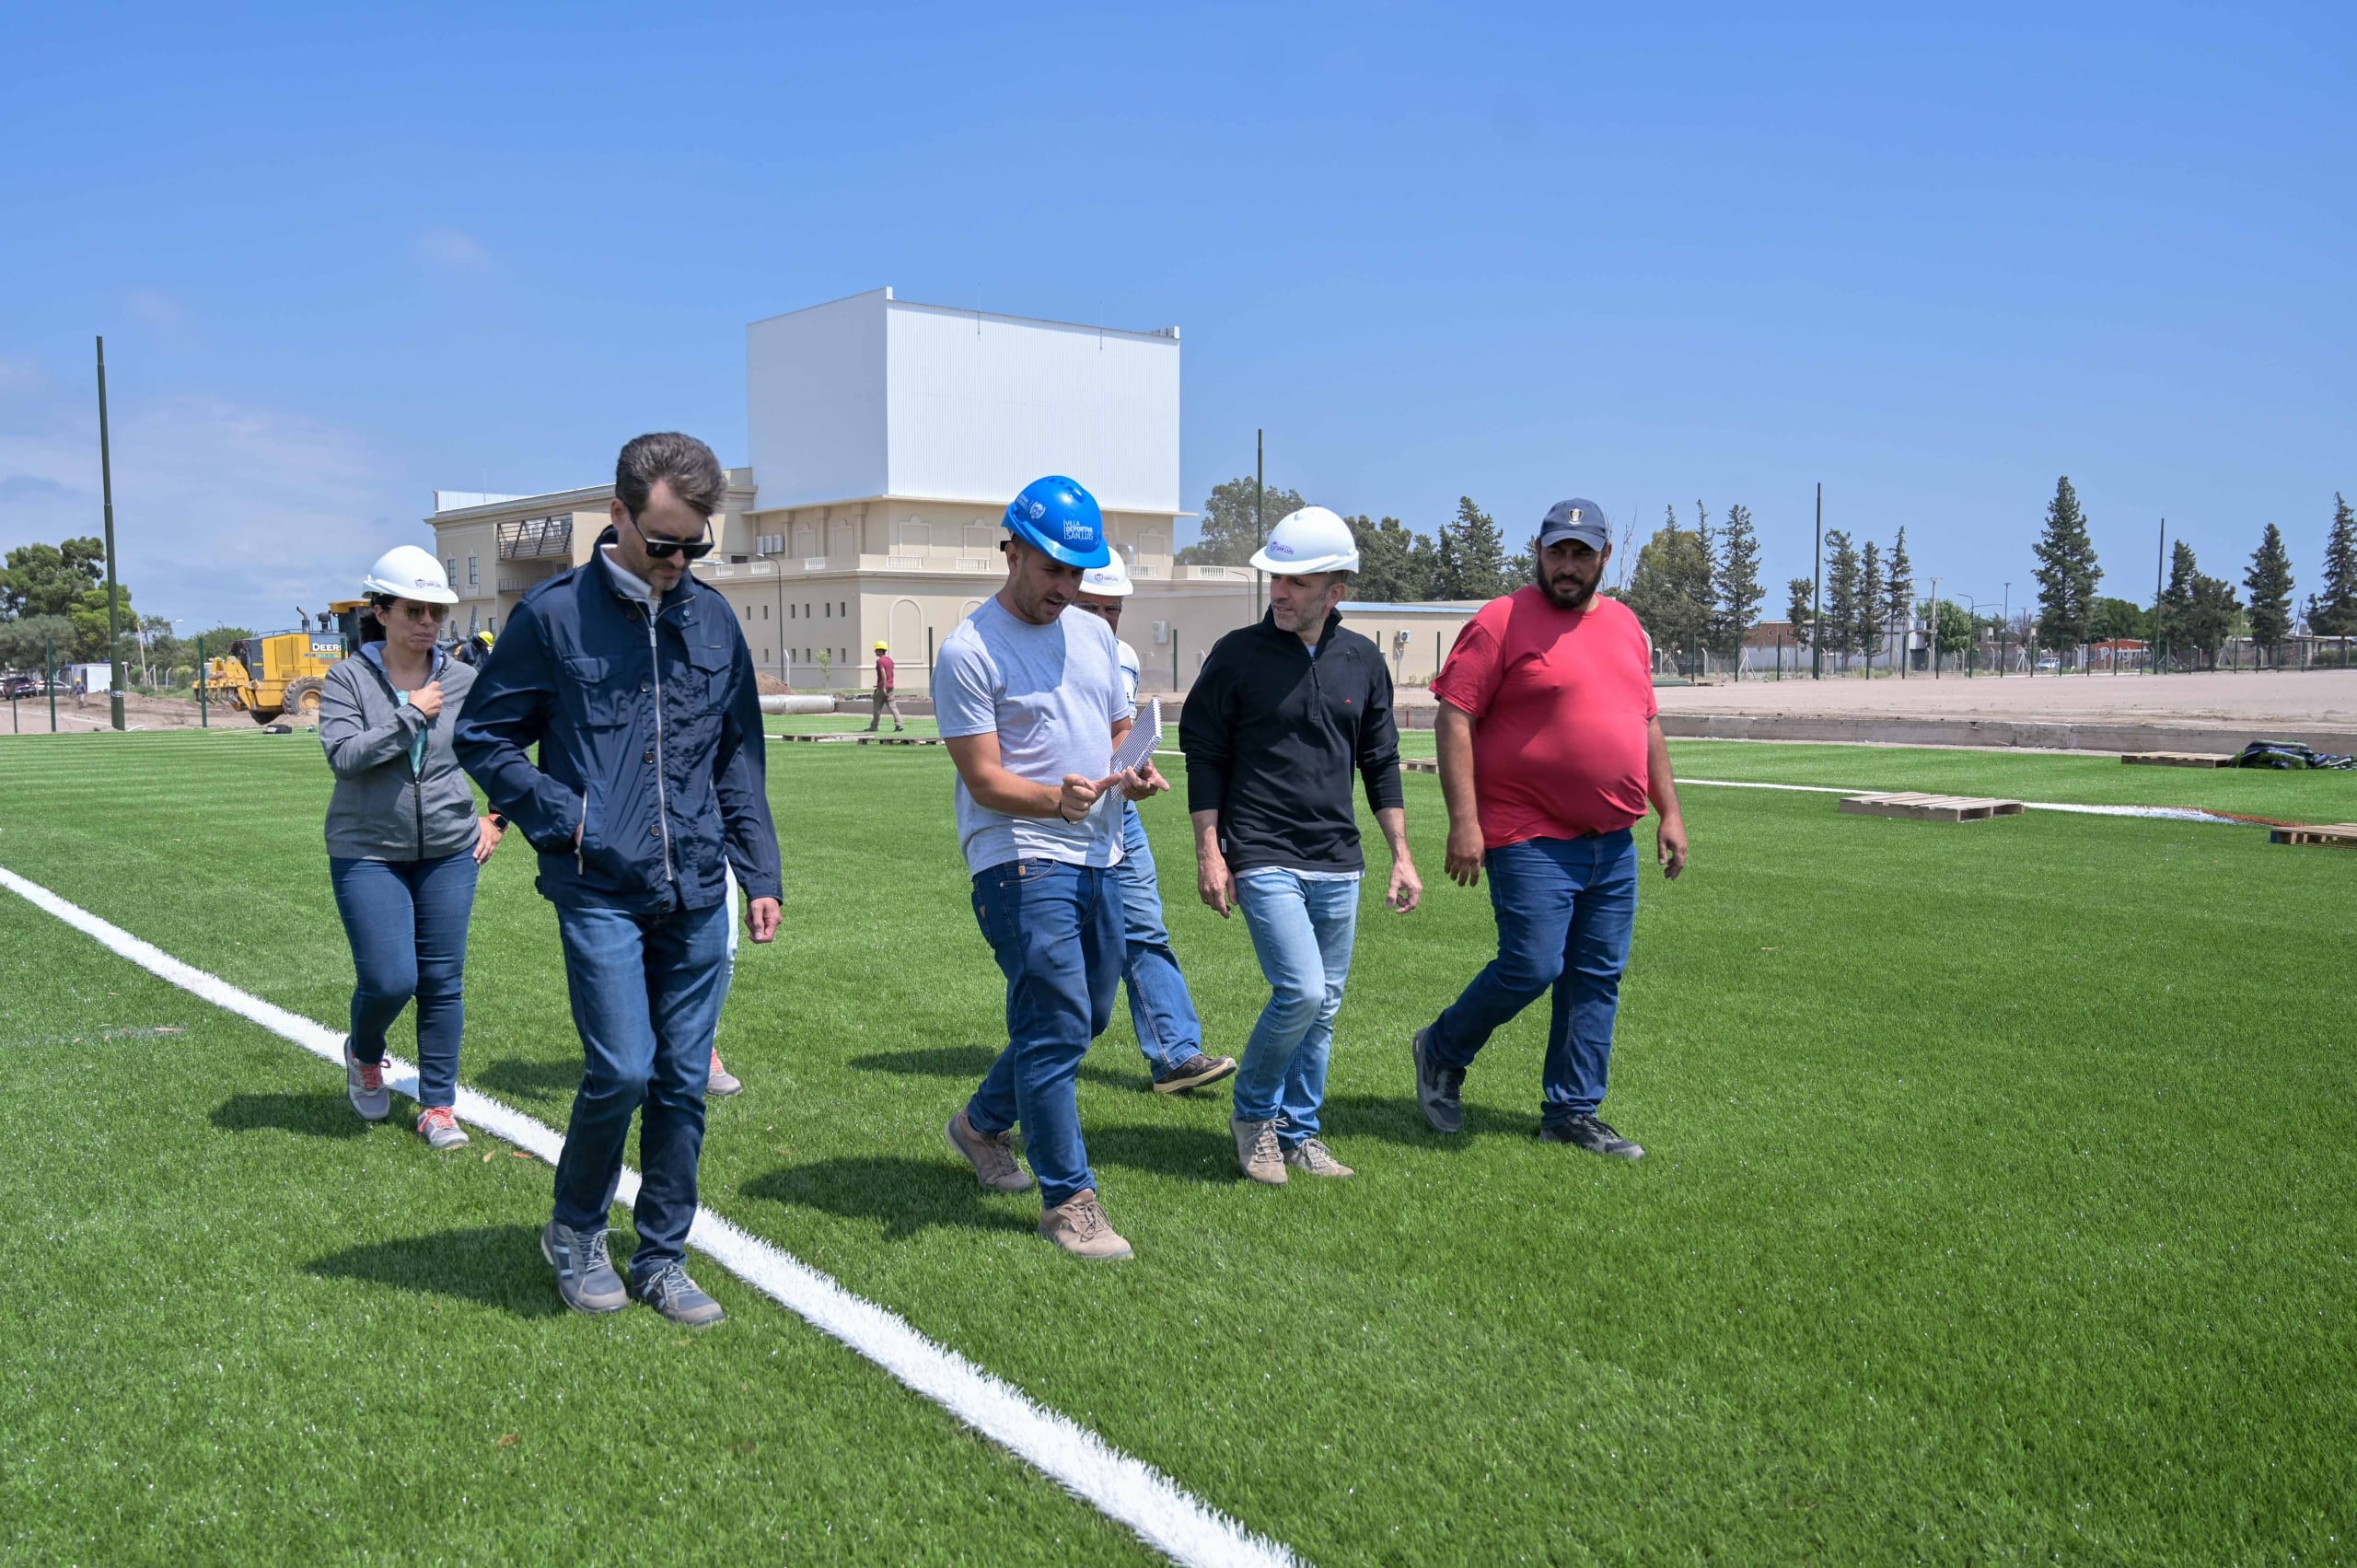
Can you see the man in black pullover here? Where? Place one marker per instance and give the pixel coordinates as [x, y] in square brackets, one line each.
[1281, 717]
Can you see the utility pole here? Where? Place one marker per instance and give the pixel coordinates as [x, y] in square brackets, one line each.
[114, 597]
[1817, 595]
[2160, 577]
[49, 678]
[203, 709]
[2004, 625]
[1260, 528]
[1935, 628]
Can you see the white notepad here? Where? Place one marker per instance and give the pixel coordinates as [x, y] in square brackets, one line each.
[1143, 737]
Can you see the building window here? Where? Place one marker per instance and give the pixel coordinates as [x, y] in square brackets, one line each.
[473, 576]
[472, 625]
[450, 569]
[766, 612]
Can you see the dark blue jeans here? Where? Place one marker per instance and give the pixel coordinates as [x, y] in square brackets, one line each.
[1056, 932]
[1168, 1032]
[646, 993]
[407, 923]
[1565, 909]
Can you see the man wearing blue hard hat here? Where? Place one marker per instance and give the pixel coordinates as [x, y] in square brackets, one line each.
[1031, 701]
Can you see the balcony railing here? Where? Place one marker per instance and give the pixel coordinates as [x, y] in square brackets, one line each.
[536, 539]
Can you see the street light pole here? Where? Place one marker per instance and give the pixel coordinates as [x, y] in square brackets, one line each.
[1260, 528]
[114, 597]
[1817, 595]
[1935, 628]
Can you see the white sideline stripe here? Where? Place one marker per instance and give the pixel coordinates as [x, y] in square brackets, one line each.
[1164, 1516]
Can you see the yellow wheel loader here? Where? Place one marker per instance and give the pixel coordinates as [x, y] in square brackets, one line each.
[279, 674]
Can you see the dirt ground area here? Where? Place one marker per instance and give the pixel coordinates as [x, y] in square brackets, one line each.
[2327, 698]
[30, 714]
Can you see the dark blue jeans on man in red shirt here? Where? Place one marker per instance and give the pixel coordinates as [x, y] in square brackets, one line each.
[1565, 909]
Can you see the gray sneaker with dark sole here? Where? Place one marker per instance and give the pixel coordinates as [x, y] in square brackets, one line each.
[670, 1291]
[363, 1085]
[1588, 1132]
[1438, 1089]
[583, 1277]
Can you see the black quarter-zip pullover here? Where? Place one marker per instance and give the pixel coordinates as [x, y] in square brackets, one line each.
[1272, 736]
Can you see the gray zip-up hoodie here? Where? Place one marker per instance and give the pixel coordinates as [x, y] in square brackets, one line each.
[380, 809]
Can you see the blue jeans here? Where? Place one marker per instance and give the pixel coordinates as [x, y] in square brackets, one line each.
[1303, 929]
[1056, 932]
[1565, 908]
[1168, 1032]
[646, 993]
[407, 923]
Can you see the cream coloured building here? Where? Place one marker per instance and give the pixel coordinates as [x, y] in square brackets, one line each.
[885, 439]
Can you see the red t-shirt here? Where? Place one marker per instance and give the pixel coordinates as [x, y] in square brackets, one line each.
[1560, 701]
[884, 671]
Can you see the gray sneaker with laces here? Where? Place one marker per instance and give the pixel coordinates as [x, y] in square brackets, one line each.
[1595, 1137]
[1438, 1089]
[1312, 1158]
[363, 1082]
[669, 1290]
[583, 1277]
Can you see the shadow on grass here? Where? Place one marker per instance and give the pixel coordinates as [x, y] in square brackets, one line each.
[1396, 1120]
[314, 1116]
[543, 1081]
[1188, 1154]
[498, 1265]
[969, 1062]
[908, 1196]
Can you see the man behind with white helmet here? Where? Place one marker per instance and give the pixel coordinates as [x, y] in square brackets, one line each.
[1282, 715]
[1169, 1033]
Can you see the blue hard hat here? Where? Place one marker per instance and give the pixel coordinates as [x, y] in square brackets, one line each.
[1057, 517]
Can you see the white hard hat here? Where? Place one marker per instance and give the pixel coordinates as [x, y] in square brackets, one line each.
[1312, 540]
[407, 572]
[1111, 580]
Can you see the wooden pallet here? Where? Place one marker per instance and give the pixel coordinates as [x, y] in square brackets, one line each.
[897, 739]
[1920, 807]
[2177, 760]
[2341, 835]
[836, 738]
[1420, 764]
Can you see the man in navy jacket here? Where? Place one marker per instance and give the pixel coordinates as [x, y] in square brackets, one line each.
[635, 682]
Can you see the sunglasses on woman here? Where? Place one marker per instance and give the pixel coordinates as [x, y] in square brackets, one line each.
[663, 548]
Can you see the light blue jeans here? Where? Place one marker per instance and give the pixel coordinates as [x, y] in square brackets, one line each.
[1168, 1031]
[1302, 928]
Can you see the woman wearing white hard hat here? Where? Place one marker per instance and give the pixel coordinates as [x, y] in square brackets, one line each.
[403, 840]
[1170, 1032]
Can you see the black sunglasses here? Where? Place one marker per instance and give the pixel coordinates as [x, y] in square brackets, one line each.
[663, 548]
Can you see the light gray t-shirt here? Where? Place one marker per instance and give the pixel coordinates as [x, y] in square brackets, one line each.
[1053, 695]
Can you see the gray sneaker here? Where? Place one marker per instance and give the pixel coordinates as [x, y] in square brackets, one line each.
[583, 1277]
[723, 1082]
[1257, 1154]
[439, 1125]
[993, 1158]
[1588, 1132]
[1438, 1088]
[1312, 1158]
[363, 1083]
[670, 1291]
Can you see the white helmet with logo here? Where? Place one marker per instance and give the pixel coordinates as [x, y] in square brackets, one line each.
[1312, 540]
[407, 572]
[1111, 580]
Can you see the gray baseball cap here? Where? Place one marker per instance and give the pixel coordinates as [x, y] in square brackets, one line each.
[1575, 518]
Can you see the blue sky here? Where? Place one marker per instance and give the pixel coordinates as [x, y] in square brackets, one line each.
[1644, 255]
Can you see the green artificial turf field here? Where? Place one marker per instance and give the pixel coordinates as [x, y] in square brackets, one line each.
[1997, 1208]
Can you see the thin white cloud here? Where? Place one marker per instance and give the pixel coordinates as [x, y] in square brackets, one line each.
[157, 309]
[223, 514]
[452, 251]
[19, 377]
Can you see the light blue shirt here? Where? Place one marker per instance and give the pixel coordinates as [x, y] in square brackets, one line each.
[1051, 694]
[375, 653]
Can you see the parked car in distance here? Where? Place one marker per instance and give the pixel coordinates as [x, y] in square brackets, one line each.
[22, 686]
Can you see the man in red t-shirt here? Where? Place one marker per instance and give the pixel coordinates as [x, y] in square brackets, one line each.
[884, 673]
[1549, 749]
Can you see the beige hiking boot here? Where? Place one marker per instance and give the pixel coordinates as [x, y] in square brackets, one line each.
[993, 1158]
[1078, 1225]
[1256, 1150]
[1312, 1158]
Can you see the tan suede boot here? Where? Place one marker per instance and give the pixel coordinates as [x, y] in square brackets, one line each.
[1078, 1225]
[1256, 1150]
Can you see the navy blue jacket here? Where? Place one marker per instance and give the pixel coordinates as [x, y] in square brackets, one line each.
[652, 747]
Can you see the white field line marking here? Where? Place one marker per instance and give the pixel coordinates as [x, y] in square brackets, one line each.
[2167, 813]
[1164, 1516]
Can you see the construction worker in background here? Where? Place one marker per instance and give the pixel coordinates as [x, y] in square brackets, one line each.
[474, 650]
[1169, 1033]
[1029, 696]
[1282, 715]
[1550, 749]
[884, 673]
